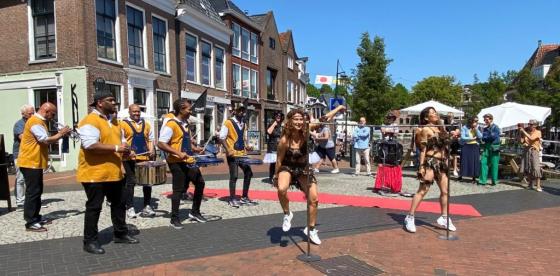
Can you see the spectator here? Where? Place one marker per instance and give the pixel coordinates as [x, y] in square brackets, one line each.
[26, 112]
[470, 153]
[325, 147]
[530, 160]
[490, 151]
[361, 138]
[454, 147]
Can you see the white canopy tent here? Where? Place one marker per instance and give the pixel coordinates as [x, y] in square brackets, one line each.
[508, 115]
[442, 109]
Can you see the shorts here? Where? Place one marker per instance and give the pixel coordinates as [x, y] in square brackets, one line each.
[322, 152]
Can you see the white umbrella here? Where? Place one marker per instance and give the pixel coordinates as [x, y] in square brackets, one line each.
[508, 115]
[439, 107]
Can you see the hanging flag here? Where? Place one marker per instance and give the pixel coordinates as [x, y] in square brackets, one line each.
[321, 79]
[200, 104]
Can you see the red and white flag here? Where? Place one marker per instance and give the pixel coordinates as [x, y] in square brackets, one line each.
[321, 79]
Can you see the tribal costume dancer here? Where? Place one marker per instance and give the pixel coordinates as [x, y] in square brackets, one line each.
[434, 141]
[292, 167]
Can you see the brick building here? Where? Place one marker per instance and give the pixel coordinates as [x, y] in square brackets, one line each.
[204, 41]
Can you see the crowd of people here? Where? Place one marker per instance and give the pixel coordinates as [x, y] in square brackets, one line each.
[110, 146]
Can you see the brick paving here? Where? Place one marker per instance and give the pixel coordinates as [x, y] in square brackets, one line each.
[524, 243]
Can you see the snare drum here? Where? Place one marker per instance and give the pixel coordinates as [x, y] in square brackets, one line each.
[151, 173]
[205, 161]
[248, 161]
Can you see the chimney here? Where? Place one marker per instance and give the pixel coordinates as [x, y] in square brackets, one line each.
[539, 43]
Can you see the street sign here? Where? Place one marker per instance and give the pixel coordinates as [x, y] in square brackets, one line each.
[334, 102]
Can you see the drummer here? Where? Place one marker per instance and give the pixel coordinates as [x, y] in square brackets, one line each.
[233, 136]
[175, 139]
[139, 136]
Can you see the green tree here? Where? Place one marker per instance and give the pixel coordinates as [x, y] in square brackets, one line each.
[312, 91]
[528, 90]
[443, 89]
[372, 86]
[325, 88]
[552, 83]
[489, 93]
[401, 97]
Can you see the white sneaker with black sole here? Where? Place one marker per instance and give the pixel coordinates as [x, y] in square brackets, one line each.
[148, 212]
[287, 222]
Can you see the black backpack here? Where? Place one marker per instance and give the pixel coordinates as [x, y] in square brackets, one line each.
[389, 152]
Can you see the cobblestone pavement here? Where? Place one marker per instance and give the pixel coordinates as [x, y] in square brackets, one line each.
[67, 207]
[515, 244]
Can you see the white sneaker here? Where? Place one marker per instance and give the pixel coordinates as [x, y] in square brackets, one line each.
[130, 213]
[455, 173]
[313, 236]
[409, 224]
[442, 221]
[148, 212]
[316, 170]
[335, 171]
[287, 224]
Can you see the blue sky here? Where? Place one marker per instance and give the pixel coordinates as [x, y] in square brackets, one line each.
[424, 38]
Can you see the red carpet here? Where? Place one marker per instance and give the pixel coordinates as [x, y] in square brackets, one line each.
[348, 200]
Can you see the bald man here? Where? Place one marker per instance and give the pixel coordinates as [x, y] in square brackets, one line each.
[33, 159]
[139, 136]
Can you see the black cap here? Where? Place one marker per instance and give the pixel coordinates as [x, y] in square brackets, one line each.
[100, 95]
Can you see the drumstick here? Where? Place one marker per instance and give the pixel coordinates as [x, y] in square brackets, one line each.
[143, 153]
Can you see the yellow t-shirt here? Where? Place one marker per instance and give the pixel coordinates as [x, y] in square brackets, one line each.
[128, 134]
[176, 141]
[100, 166]
[232, 137]
[32, 154]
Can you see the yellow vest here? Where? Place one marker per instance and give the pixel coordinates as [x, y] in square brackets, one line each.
[32, 154]
[232, 138]
[96, 166]
[176, 142]
[128, 134]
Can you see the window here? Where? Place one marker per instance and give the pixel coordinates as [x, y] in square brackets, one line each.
[219, 68]
[160, 46]
[290, 63]
[270, 84]
[245, 44]
[205, 60]
[236, 38]
[236, 79]
[246, 82]
[163, 103]
[191, 57]
[254, 48]
[271, 43]
[254, 84]
[139, 98]
[290, 91]
[135, 22]
[43, 28]
[105, 20]
[116, 91]
[48, 95]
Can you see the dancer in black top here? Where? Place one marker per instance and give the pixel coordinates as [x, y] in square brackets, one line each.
[292, 167]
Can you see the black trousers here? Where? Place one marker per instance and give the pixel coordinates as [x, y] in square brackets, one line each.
[233, 175]
[130, 182]
[95, 193]
[33, 191]
[182, 175]
[271, 170]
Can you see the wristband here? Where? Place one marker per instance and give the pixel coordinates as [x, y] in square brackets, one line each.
[116, 148]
